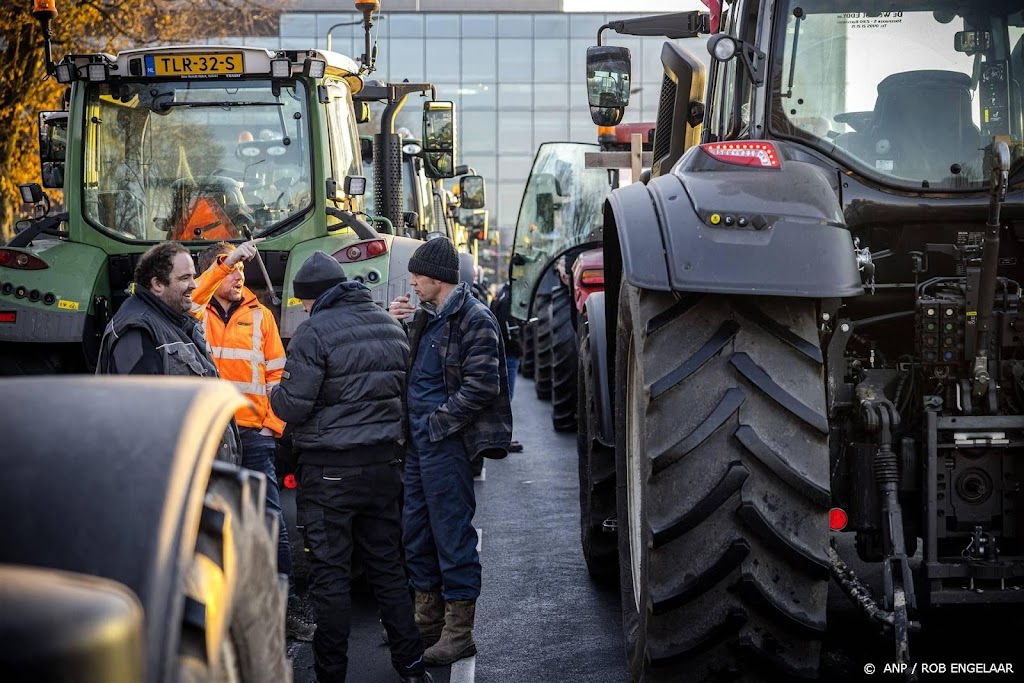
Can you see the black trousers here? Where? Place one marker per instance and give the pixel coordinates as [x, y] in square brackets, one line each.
[341, 508]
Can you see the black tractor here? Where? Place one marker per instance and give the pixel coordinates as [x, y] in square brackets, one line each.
[812, 324]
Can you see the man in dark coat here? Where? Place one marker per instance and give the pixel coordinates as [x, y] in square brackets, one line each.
[341, 394]
[458, 404]
[152, 332]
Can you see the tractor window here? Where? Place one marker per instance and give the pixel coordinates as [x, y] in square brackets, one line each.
[195, 160]
[344, 137]
[731, 86]
[562, 207]
[913, 98]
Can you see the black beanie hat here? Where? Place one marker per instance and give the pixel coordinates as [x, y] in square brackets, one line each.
[438, 259]
[319, 273]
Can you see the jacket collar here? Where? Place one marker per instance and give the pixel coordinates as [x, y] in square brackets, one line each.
[347, 292]
[180, 320]
[452, 303]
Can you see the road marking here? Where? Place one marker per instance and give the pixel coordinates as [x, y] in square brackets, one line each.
[479, 539]
[464, 671]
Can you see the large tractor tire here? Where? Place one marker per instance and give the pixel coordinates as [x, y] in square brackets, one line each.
[722, 486]
[124, 486]
[542, 347]
[597, 479]
[526, 334]
[563, 361]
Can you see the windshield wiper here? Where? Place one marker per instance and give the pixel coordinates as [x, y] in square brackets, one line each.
[218, 105]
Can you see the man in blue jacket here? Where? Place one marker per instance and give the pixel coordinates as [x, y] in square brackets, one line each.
[458, 402]
[341, 394]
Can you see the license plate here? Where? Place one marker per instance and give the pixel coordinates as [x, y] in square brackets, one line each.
[210, 64]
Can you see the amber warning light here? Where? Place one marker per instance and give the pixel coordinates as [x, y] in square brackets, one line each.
[44, 9]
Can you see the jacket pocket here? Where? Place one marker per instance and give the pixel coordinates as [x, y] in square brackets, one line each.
[311, 524]
[185, 355]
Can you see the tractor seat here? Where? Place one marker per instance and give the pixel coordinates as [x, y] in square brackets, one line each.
[922, 125]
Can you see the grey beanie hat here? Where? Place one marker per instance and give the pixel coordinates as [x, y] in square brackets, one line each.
[319, 273]
[437, 259]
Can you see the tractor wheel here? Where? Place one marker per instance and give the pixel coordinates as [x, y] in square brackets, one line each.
[20, 358]
[563, 361]
[526, 332]
[542, 347]
[597, 479]
[237, 543]
[722, 486]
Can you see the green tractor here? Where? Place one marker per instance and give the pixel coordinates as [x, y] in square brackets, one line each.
[197, 144]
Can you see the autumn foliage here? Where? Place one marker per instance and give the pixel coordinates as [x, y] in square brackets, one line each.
[93, 26]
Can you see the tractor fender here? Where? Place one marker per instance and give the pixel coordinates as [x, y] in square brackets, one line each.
[598, 330]
[111, 483]
[794, 241]
[64, 292]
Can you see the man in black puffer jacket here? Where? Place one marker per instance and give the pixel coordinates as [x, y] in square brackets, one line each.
[341, 394]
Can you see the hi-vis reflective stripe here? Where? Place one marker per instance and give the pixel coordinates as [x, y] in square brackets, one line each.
[226, 353]
[254, 389]
[257, 345]
[275, 364]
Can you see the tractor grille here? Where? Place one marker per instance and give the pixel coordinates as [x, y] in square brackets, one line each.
[663, 128]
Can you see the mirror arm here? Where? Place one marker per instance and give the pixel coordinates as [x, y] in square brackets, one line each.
[361, 229]
[24, 238]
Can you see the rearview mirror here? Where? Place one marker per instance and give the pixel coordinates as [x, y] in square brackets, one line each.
[439, 139]
[972, 42]
[53, 146]
[608, 83]
[472, 192]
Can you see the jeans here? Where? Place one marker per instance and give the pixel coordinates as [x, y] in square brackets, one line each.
[342, 508]
[258, 455]
[512, 365]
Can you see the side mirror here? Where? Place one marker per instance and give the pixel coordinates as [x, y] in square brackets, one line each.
[608, 82]
[53, 141]
[472, 192]
[439, 139]
[366, 150]
[972, 42]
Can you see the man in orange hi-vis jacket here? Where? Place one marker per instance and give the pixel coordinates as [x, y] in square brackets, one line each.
[246, 347]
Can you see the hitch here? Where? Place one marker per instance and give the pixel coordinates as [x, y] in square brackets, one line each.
[989, 265]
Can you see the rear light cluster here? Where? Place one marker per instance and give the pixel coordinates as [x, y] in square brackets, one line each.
[754, 153]
[19, 260]
[360, 251]
[23, 292]
[592, 276]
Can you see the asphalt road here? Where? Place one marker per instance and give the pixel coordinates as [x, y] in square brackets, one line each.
[540, 619]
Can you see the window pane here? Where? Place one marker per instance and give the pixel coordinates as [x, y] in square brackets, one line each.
[479, 26]
[478, 95]
[405, 25]
[556, 96]
[550, 61]
[405, 57]
[578, 60]
[509, 196]
[515, 168]
[515, 26]
[550, 127]
[478, 60]
[442, 59]
[515, 96]
[327, 22]
[551, 26]
[515, 132]
[581, 127]
[586, 25]
[298, 25]
[478, 131]
[442, 25]
[515, 60]
[485, 165]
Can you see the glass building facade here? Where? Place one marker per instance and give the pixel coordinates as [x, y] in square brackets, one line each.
[517, 79]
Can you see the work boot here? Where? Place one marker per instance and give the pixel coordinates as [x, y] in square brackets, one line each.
[515, 447]
[430, 616]
[457, 636]
[296, 625]
[424, 677]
